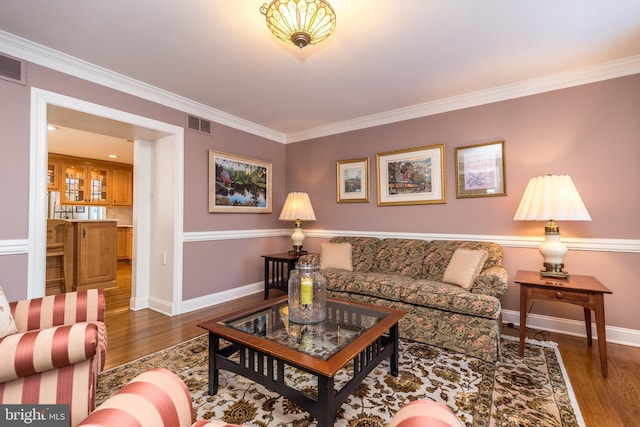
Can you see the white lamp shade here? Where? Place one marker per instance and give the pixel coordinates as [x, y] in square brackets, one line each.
[551, 197]
[296, 207]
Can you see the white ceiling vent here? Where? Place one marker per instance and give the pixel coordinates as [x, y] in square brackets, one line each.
[198, 124]
[13, 69]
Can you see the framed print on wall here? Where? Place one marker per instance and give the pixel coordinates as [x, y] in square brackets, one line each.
[480, 170]
[238, 184]
[352, 177]
[411, 177]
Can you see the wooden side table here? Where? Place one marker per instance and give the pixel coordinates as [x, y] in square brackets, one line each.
[276, 270]
[585, 291]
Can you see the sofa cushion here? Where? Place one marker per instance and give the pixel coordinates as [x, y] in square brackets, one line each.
[7, 322]
[403, 257]
[464, 267]
[378, 285]
[439, 253]
[363, 251]
[335, 255]
[450, 298]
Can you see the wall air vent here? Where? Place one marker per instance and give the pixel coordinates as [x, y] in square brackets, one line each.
[13, 69]
[198, 124]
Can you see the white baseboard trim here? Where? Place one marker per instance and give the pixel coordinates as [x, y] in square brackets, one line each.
[220, 297]
[630, 337]
[161, 306]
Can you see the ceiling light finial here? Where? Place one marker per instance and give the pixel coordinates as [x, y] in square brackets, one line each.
[300, 22]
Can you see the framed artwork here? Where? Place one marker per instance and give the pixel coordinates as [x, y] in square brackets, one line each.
[480, 170]
[411, 177]
[352, 177]
[238, 184]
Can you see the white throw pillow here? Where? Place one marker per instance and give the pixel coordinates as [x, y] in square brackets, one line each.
[335, 255]
[464, 267]
[7, 324]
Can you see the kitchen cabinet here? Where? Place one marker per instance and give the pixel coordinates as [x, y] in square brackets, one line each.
[94, 250]
[122, 186]
[53, 175]
[84, 183]
[124, 243]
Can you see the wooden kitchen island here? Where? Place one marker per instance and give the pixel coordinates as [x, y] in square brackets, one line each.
[94, 254]
[90, 259]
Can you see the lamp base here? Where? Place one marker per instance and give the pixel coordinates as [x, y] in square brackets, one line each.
[554, 270]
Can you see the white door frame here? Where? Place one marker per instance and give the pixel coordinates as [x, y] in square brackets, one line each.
[168, 301]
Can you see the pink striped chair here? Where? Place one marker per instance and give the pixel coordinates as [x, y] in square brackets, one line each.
[425, 413]
[155, 398]
[159, 398]
[57, 353]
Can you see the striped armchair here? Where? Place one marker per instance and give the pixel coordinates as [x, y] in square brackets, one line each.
[57, 353]
[155, 398]
[159, 398]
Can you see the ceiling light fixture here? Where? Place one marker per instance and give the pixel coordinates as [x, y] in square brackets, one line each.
[300, 22]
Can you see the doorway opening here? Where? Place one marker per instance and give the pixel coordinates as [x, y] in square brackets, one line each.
[158, 170]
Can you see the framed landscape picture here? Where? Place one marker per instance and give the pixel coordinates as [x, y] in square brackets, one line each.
[352, 177]
[411, 177]
[480, 170]
[238, 184]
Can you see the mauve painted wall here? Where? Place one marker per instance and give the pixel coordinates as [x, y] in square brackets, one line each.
[590, 132]
[14, 161]
[14, 178]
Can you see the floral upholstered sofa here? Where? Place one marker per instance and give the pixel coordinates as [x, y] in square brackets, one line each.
[409, 274]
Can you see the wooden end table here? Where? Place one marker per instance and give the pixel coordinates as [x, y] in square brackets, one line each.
[585, 291]
[276, 270]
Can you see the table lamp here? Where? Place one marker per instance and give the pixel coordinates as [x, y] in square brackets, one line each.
[297, 207]
[552, 198]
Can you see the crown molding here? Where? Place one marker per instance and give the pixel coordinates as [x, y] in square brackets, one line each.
[50, 58]
[600, 72]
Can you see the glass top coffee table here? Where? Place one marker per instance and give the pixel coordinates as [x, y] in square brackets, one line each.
[261, 343]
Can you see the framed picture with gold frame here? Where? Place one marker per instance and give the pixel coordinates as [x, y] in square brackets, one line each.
[480, 170]
[238, 184]
[352, 179]
[411, 177]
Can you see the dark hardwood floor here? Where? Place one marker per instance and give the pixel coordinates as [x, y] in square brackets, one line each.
[613, 401]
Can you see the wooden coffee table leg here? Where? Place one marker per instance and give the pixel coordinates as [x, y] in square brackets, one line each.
[326, 413]
[214, 348]
[393, 362]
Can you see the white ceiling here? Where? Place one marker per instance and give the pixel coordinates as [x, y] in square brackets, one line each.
[385, 55]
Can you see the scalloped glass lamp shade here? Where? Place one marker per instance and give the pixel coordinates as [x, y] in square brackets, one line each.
[300, 22]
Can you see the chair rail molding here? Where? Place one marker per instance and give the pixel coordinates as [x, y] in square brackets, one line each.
[532, 242]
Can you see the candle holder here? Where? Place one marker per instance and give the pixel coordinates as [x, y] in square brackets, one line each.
[307, 294]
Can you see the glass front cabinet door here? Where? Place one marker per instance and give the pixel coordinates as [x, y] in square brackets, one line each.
[98, 179]
[85, 184]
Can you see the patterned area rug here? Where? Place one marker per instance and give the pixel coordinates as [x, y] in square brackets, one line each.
[533, 391]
